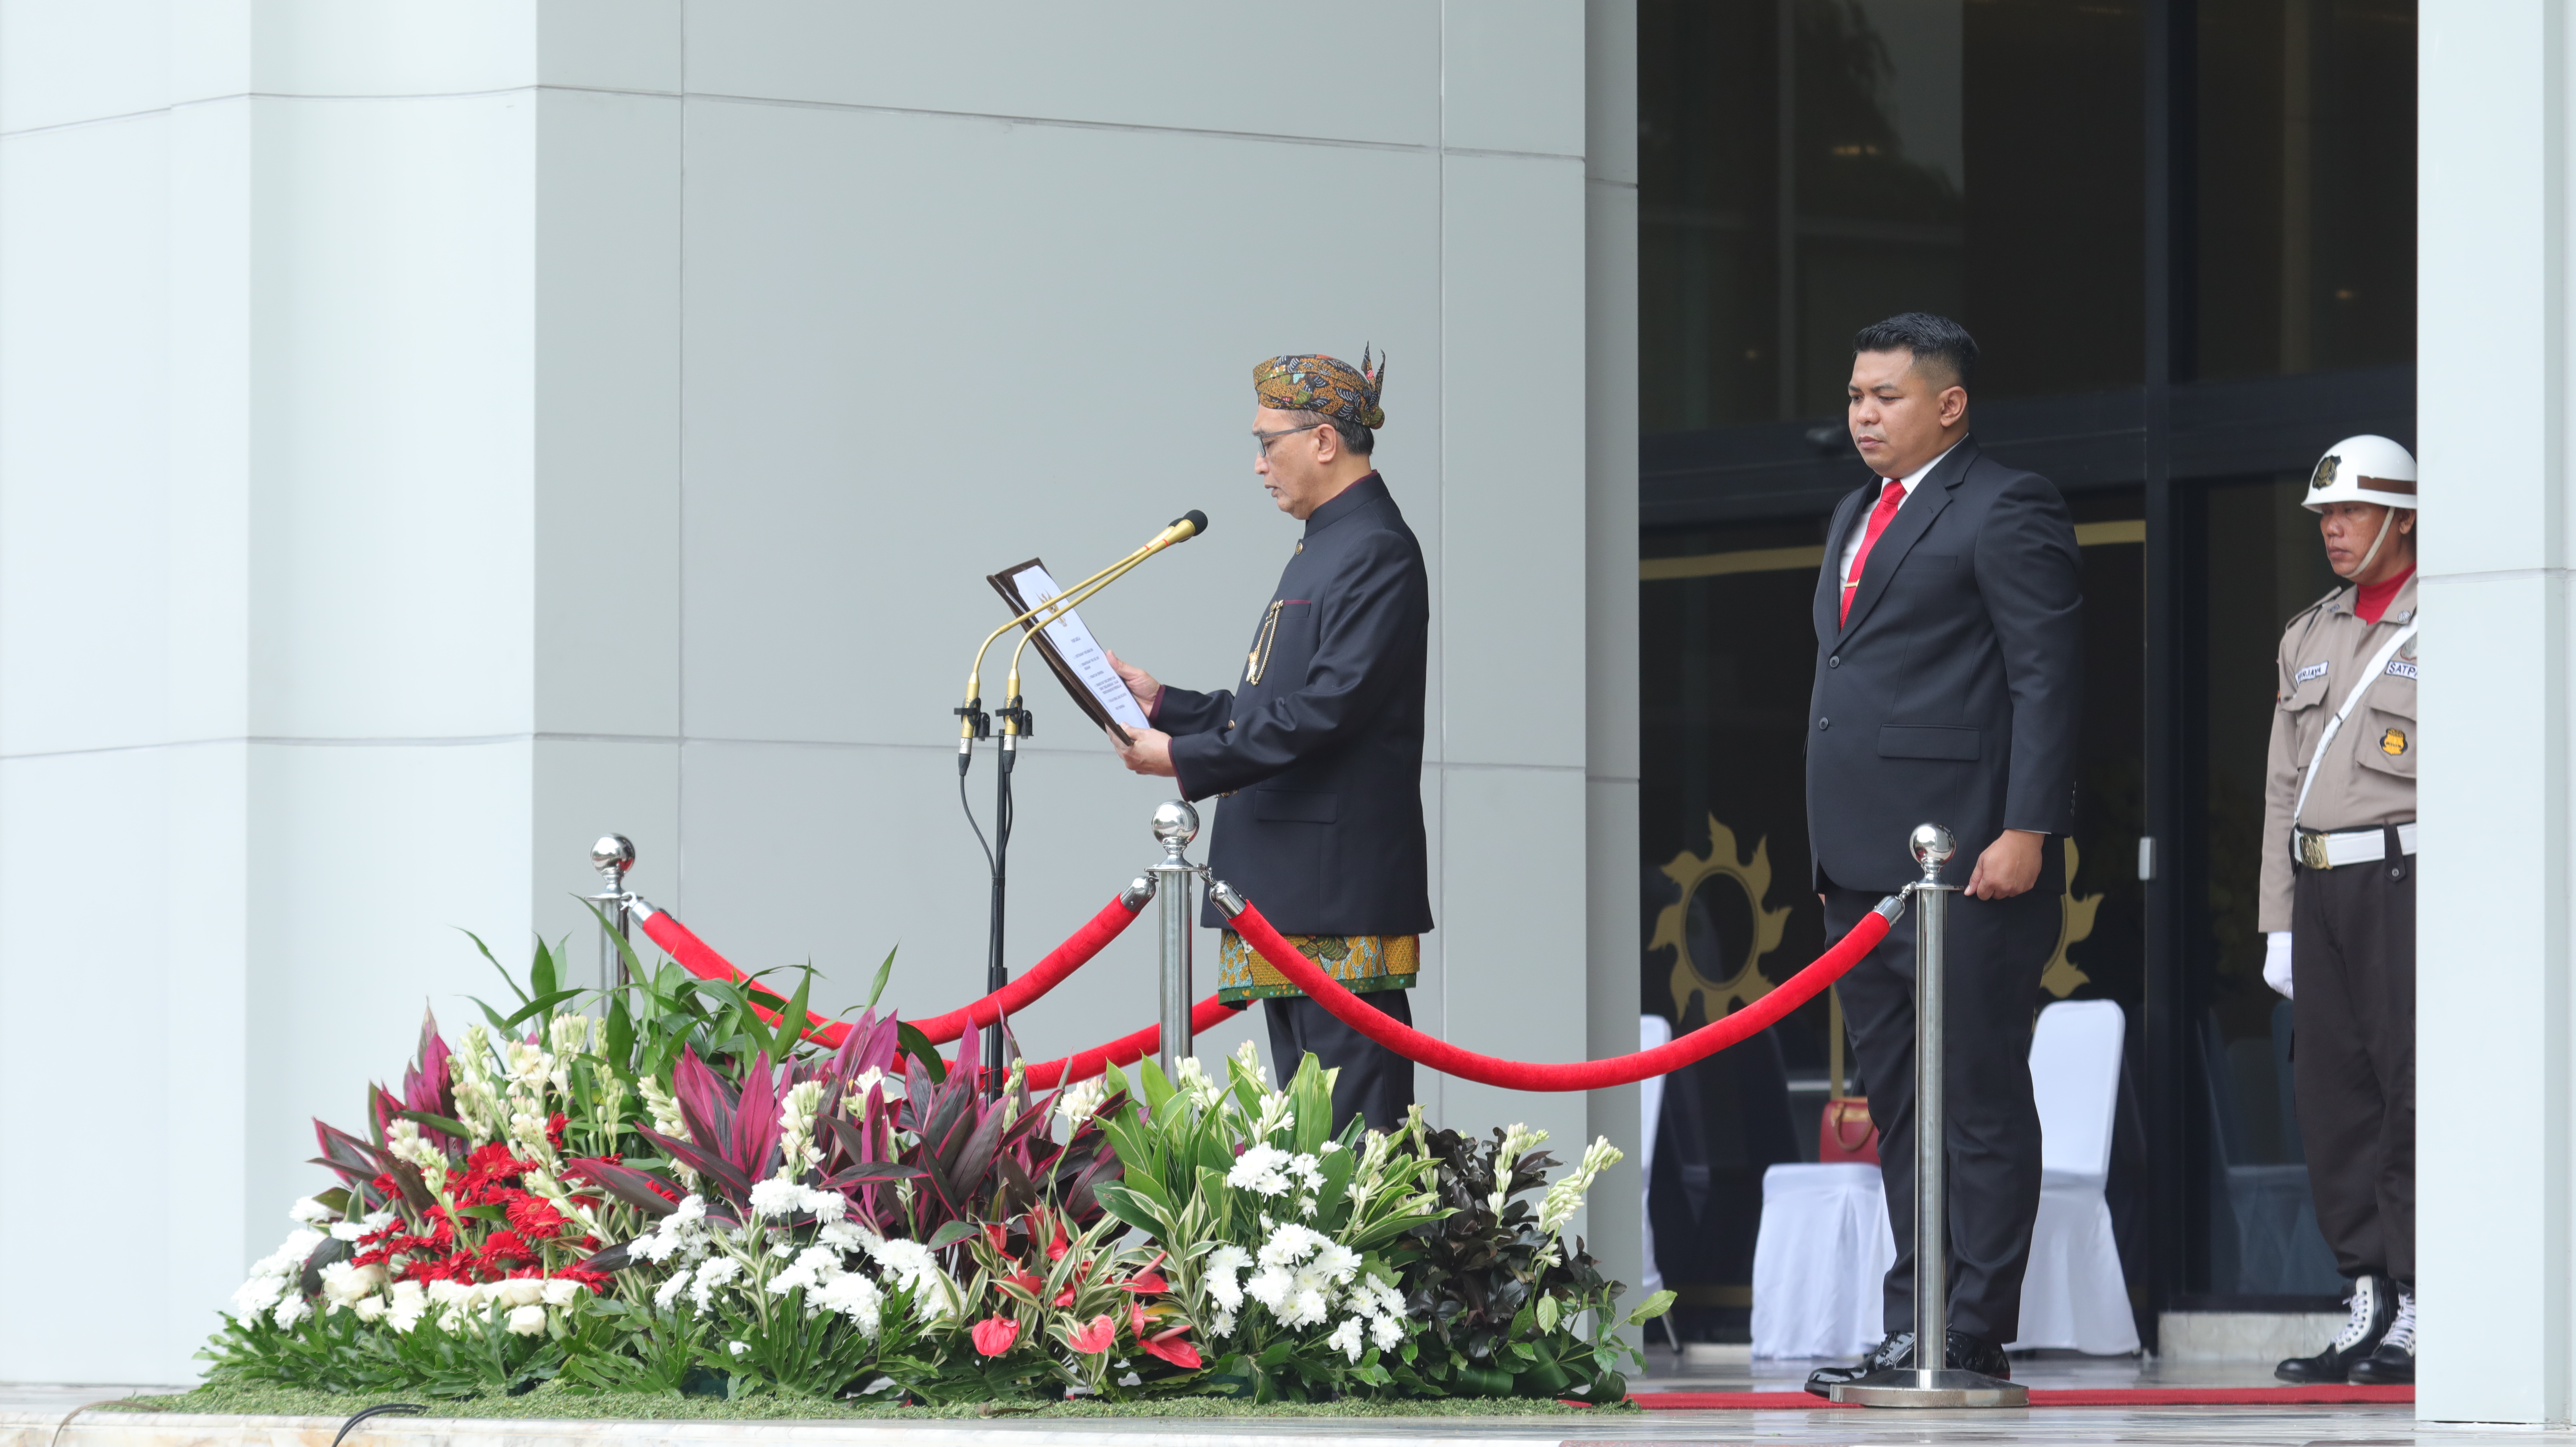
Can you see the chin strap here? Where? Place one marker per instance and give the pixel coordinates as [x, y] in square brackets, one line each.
[2385, 524]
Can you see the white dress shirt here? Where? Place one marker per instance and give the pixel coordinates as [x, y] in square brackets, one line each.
[1851, 545]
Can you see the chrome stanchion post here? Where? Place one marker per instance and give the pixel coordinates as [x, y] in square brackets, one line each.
[1930, 1382]
[612, 856]
[1175, 825]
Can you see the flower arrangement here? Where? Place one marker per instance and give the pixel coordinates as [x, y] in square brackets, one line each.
[669, 1193]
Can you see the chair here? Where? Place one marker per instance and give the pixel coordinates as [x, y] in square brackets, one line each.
[2073, 1296]
[1652, 1030]
[1821, 1261]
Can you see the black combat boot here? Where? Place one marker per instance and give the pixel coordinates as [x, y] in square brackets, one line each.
[2393, 1364]
[2374, 1306]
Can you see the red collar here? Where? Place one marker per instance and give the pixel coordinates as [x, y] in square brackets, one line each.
[2373, 598]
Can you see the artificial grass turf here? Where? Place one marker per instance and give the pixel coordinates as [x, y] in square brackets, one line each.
[553, 1403]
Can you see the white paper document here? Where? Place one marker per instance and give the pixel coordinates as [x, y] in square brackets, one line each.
[1080, 651]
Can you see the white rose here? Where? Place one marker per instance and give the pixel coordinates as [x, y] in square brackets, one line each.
[371, 1309]
[444, 1292]
[528, 1320]
[520, 1291]
[563, 1292]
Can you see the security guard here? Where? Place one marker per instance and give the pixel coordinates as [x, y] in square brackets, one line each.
[2338, 898]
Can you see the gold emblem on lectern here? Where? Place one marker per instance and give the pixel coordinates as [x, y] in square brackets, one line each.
[2074, 926]
[1672, 925]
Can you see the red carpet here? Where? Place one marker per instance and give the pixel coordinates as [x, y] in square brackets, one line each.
[2343, 1396]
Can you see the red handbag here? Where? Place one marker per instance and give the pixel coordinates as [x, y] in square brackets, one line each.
[1846, 1133]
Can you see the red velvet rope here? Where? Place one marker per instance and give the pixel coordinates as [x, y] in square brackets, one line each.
[1449, 1059]
[701, 960]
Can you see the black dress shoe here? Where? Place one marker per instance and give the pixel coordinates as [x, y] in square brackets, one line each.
[1895, 1350]
[1969, 1353]
[2374, 1308]
[2393, 1364]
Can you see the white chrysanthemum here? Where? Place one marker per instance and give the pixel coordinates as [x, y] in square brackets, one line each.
[912, 1265]
[344, 1284]
[844, 1235]
[311, 1212]
[1225, 1266]
[290, 1311]
[1224, 1323]
[1347, 1337]
[1291, 1242]
[777, 1196]
[1260, 1170]
[1387, 1332]
[813, 1267]
[527, 1320]
[1270, 1286]
[256, 1295]
[406, 1306]
[709, 1276]
[669, 1291]
[824, 1205]
[1307, 1305]
[1337, 1261]
[852, 1295]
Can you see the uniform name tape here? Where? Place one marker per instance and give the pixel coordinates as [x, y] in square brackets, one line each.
[2399, 668]
[2313, 670]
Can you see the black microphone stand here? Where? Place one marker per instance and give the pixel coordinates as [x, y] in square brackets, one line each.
[1017, 724]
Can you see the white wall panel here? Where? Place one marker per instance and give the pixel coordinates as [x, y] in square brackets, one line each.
[63, 62]
[393, 48]
[607, 414]
[393, 417]
[1513, 594]
[897, 383]
[82, 963]
[367, 863]
[1512, 76]
[84, 390]
[1353, 70]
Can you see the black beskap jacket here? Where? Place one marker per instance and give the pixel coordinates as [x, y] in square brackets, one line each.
[1319, 751]
[1950, 696]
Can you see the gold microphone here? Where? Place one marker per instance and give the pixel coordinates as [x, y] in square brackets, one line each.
[973, 722]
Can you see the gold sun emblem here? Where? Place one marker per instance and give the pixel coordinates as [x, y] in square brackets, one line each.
[2074, 926]
[1672, 926]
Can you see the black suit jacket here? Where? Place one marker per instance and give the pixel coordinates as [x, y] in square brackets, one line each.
[1950, 696]
[1318, 753]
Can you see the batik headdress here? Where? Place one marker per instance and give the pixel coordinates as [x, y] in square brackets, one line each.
[1327, 385]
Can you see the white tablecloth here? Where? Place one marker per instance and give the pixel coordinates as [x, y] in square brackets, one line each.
[1821, 1262]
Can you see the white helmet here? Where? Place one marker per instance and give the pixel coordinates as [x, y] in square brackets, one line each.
[2363, 469]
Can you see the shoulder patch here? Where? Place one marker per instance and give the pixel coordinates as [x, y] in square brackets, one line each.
[2313, 670]
[2399, 668]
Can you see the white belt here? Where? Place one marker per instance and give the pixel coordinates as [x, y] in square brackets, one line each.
[2318, 850]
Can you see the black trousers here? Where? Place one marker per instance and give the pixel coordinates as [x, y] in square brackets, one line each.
[1375, 1082]
[2352, 982]
[1995, 952]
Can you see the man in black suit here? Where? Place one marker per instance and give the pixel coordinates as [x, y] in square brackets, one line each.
[1948, 673]
[1318, 752]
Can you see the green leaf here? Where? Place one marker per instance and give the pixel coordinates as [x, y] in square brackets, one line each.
[1158, 1090]
[538, 1006]
[486, 952]
[884, 972]
[917, 1045]
[617, 1033]
[1652, 1307]
[951, 1234]
[485, 1213]
[1547, 1313]
[435, 1122]
[1129, 1206]
[541, 970]
[791, 1021]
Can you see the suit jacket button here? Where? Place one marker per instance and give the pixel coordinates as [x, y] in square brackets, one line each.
[1823, 724]
[1834, 662]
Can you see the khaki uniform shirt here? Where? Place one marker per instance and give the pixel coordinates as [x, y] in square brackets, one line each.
[2368, 778]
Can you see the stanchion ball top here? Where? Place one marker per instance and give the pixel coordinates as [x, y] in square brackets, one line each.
[1932, 845]
[1175, 824]
[613, 851]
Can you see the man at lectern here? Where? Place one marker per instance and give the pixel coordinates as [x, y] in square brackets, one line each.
[1316, 754]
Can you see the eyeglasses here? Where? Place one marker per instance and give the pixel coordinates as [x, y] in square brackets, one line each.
[1266, 438]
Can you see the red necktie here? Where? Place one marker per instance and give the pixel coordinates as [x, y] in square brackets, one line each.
[1889, 500]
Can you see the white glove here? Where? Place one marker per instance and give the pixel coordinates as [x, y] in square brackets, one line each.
[2276, 961]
